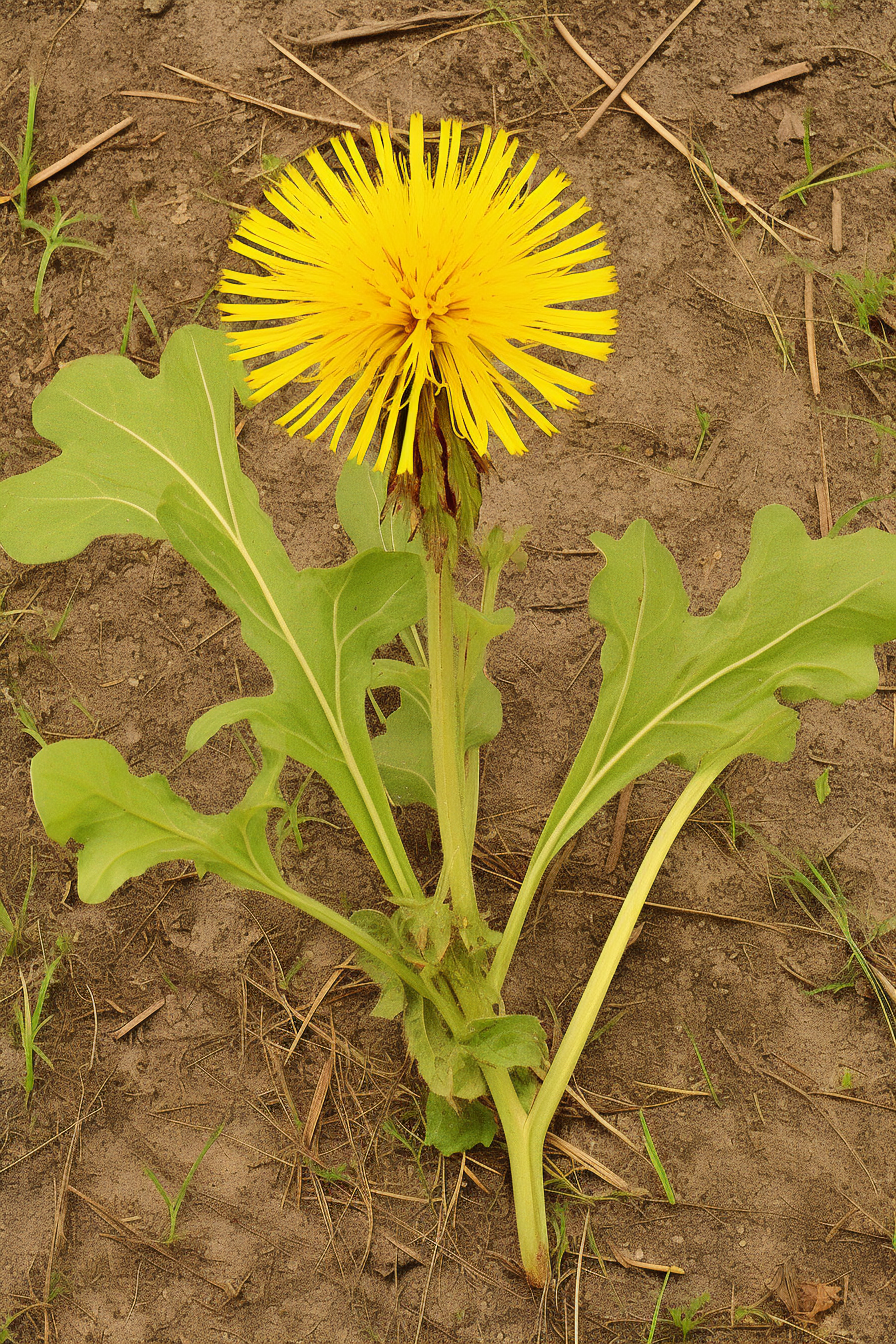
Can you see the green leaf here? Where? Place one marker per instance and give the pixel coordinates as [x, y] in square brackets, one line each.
[360, 500]
[158, 457]
[393, 998]
[456, 1131]
[823, 785]
[446, 1067]
[124, 440]
[84, 791]
[514, 1041]
[404, 750]
[499, 548]
[802, 622]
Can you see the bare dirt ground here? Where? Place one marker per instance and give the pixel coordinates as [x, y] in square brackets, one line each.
[378, 1239]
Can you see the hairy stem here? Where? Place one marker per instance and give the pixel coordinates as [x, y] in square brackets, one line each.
[317, 910]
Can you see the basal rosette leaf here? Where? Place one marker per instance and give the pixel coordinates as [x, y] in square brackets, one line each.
[126, 824]
[445, 1065]
[516, 1040]
[456, 1129]
[158, 457]
[125, 439]
[802, 622]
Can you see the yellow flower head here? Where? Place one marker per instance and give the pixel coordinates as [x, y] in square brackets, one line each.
[423, 279]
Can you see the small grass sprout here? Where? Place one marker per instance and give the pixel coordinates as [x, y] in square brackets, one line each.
[819, 882]
[712, 193]
[712, 1091]
[23, 713]
[655, 1160]
[138, 303]
[13, 926]
[24, 160]
[173, 1205]
[868, 292]
[414, 1144]
[685, 1319]
[824, 176]
[703, 420]
[559, 1235]
[292, 820]
[30, 1020]
[56, 236]
[659, 1301]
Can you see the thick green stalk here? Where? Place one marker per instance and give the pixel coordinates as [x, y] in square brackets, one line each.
[575, 1038]
[526, 1177]
[525, 1137]
[446, 744]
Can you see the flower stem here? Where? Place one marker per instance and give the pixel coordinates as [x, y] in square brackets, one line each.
[447, 725]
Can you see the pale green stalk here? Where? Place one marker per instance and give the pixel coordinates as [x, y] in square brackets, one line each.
[525, 1136]
[448, 767]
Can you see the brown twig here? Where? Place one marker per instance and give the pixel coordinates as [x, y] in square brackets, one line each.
[309, 1133]
[259, 102]
[388, 26]
[68, 18]
[708, 914]
[69, 159]
[629, 1262]
[359, 107]
[771, 77]
[752, 207]
[153, 93]
[577, 1154]
[809, 304]
[139, 1019]
[836, 220]
[629, 75]
[619, 828]
[822, 490]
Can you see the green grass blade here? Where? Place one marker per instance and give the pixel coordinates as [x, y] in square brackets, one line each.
[655, 1159]
[714, 1094]
[659, 1301]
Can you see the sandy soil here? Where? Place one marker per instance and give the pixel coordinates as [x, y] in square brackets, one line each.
[380, 1240]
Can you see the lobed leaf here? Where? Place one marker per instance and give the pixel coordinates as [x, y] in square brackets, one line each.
[84, 791]
[159, 457]
[801, 623]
